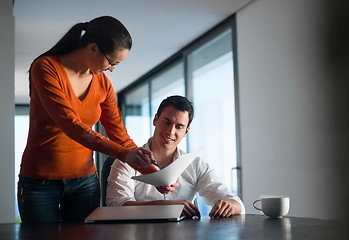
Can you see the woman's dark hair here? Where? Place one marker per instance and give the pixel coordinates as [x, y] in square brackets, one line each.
[178, 102]
[107, 32]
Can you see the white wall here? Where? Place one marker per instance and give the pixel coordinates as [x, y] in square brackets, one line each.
[286, 105]
[7, 106]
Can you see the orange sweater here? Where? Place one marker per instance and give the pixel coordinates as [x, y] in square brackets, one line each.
[60, 140]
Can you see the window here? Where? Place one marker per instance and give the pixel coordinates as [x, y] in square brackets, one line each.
[167, 83]
[212, 77]
[204, 72]
[21, 133]
[213, 96]
[136, 113]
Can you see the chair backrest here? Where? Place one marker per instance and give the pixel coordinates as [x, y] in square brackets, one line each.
[104, 178]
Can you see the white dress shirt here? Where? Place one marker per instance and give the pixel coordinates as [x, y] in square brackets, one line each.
[197, 178]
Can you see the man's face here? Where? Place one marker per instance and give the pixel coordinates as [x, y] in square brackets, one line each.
[170, 127]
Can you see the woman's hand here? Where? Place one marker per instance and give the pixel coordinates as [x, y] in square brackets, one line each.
[139, 157]
[225, 208]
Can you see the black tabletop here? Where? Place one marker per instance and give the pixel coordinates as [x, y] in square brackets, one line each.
[237, 227]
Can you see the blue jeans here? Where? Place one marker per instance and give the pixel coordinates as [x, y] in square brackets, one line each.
[57, 200]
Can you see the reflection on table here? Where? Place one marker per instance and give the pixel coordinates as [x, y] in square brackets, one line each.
[237, 227]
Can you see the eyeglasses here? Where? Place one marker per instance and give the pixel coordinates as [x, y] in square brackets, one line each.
[110, 63]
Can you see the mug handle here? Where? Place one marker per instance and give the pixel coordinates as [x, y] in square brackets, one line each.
[254, 205]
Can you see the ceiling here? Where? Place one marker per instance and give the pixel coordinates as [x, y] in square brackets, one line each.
[159, 29]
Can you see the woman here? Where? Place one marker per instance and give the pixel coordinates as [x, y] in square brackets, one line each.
[69, 94]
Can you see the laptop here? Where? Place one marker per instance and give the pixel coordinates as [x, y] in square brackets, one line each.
[171, 213]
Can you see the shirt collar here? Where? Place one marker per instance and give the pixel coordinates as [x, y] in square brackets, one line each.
[175, 155]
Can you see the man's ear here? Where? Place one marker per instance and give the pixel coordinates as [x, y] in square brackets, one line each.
[155, 120]
[187, 130]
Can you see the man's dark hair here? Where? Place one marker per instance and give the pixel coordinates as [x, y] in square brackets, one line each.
[178, 102]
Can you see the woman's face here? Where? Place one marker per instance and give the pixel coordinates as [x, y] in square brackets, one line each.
[101, 62]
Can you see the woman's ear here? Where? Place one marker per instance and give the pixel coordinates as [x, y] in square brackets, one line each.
[92, 48]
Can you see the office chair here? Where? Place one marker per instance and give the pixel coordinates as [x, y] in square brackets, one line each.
[104, 178]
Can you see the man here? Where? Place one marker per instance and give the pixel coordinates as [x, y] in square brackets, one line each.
[172, 124]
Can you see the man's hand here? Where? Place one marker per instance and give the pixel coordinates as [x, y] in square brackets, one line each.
[225, 208]
[167, 189]
[139, 157]
[189, 210]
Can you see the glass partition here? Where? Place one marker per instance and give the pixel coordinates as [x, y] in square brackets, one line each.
[213, 130]
[167, 83]
[136, 114]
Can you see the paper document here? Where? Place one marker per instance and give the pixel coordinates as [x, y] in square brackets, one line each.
[169, 174]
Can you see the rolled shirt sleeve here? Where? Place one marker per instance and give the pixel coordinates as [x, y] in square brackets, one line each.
[210, 188]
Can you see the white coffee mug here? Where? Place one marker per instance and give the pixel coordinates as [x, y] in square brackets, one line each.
[274, 207]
